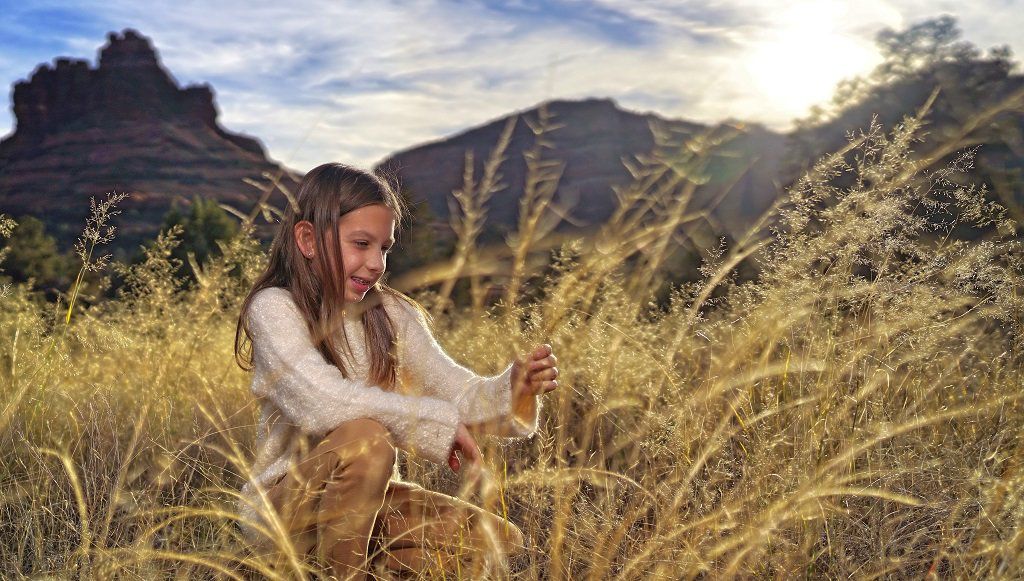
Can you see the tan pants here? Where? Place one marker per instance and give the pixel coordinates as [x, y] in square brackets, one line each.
[342, 506]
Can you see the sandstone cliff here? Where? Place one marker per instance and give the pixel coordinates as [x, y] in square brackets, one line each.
[124, 125]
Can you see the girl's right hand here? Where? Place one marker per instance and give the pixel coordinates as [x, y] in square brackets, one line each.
[466, 445]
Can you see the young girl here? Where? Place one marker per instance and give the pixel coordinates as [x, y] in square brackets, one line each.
[346, 371]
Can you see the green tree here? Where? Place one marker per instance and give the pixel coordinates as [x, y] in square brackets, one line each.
[921, 46]
[205, 224]
[31, 253]
[929, 53]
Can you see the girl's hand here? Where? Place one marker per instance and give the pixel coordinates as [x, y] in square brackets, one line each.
[466, 445]
[535, 373]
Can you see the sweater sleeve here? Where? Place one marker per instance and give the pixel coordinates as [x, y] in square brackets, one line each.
[483, 401]
[313, 394]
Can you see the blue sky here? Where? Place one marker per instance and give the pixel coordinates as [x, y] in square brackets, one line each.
[326, 80]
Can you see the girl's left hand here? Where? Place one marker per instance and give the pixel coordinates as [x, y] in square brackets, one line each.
[465, 445]
[535, 373]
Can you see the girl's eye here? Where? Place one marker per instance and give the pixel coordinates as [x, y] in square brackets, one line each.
[365, 244]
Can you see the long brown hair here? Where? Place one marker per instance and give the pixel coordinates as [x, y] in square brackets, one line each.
[327, 193]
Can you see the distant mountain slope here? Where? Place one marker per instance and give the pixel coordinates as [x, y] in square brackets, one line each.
[594, 138]
[126, 126]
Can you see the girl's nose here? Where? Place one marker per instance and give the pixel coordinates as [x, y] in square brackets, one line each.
[376, 263]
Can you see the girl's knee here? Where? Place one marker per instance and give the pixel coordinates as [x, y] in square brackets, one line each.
[362, 433]
[363, 444]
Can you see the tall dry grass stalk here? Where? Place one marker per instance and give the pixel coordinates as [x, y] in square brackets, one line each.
[853, 412]
[539, 214]
[467, 214]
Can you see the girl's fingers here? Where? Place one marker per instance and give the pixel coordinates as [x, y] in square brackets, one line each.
[544, 374]
[538, 387]
[541, 374]
[549, 361]
[541, 387]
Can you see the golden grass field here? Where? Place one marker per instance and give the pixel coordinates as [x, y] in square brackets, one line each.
[855, 411]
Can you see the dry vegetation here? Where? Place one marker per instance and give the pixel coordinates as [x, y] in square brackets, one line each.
[854, 412]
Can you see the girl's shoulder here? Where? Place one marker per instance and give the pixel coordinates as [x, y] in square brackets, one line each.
[272, 295]
[403, 308]
[270, 305]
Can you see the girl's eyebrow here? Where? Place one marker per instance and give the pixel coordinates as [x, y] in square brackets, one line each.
[368, 235]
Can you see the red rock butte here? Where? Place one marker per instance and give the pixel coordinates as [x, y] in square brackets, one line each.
[124, 126]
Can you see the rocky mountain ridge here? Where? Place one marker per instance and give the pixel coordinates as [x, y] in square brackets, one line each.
[594, 138]
[125, 126]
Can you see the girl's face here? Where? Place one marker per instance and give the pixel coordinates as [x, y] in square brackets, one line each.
[366, 236]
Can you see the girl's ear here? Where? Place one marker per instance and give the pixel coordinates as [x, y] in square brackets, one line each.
[305, 239]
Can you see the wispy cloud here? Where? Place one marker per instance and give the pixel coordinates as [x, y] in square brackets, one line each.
[321, 80]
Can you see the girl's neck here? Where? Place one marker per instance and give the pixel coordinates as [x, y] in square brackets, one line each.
[354, 311]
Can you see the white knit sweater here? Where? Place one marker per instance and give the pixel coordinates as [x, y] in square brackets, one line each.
[303, 396]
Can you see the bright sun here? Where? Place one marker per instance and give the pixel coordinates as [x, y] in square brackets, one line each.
[799, 62]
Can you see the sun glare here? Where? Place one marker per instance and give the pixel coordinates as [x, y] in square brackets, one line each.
[800, 61]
